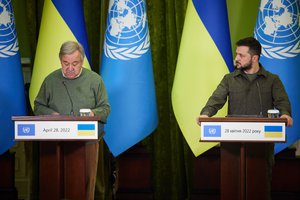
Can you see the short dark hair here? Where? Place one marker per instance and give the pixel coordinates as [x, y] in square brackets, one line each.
[252, 43]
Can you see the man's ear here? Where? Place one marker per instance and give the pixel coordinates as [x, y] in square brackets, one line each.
[255, 58]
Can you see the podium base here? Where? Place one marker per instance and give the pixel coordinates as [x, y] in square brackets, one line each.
[7, 181]
[246, 170]
[62, 170]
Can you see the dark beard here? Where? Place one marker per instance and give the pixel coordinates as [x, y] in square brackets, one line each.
[246, 67]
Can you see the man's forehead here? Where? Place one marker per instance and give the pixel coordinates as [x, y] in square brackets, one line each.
[75, 56]
[242, 49]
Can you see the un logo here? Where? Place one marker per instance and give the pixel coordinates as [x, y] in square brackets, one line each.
[127, 35]
[278, 29]
[8, 34]
[26, 130]
[212, 131]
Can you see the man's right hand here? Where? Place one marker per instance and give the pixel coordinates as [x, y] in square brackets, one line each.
[198, 119]
[203, 116]
[55, 113]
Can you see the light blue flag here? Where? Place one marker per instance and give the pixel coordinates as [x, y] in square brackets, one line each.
[277, 29]
[128, 75]
[12, 100]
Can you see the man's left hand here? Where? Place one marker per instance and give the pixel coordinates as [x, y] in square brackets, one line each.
[289, 120]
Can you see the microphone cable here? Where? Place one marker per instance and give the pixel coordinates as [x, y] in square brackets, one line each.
[260, 99]
[72, 110]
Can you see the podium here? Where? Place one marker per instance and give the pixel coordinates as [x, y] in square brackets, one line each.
[246, 153]
[62, 167]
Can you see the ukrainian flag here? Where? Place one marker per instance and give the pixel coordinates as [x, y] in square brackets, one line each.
[205, 56]
[12, 100]
[62, 21]
[86, 129]
[273, 131]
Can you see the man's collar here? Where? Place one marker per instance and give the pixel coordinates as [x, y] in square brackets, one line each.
[261, 71]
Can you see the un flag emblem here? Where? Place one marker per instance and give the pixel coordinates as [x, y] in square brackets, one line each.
[8, 34]
[127, 35]
[277, 28]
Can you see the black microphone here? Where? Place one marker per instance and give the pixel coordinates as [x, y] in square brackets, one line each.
[72, 110]
[260, 100]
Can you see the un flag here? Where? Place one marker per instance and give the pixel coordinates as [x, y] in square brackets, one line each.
[128, 76]
[277, 29]
[12, 101]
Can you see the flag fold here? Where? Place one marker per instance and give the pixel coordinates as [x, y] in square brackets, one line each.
[205, 56]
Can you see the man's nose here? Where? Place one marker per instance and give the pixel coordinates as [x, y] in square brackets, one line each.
[236, 58]
[70, 68]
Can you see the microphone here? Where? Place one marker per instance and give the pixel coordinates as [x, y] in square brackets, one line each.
[72, 110]
[260, 100]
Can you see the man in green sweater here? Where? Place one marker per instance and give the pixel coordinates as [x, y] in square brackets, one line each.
[65, 91]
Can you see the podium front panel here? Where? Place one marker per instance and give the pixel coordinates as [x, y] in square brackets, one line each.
[56, 130]
[243, 131]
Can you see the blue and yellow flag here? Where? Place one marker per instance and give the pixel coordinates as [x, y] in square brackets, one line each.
[278, 30]
[128, 75]
[273, 131]
[205, 56]
[62, 21]
[12, 100]
[86, 129]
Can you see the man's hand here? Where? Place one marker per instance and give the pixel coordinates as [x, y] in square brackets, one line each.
[55, 113]
[198, 119]
[92, 114]
[289, 120]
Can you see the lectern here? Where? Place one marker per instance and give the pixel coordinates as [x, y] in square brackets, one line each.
[245, 153]
[62, 152]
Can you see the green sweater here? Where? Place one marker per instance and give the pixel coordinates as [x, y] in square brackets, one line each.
[246, 97]
[85, 91]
